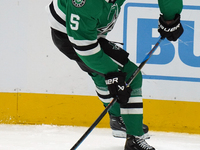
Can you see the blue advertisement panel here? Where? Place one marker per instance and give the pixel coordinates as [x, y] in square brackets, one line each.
[174, 64]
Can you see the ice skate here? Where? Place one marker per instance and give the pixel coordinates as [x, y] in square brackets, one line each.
[118, 127]
[137, 143]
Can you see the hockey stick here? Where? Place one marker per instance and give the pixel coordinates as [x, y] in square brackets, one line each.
[115, 99]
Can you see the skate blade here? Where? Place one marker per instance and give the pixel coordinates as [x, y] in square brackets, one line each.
[119, 134]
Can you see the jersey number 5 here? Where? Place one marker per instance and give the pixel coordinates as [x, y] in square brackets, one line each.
[74, 22]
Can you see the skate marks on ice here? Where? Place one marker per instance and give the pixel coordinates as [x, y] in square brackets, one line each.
[46, 137]
[175, 141]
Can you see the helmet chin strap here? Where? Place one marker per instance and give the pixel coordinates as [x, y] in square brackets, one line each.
[110, 1]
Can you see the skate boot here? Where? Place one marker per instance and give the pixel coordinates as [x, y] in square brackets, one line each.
[137, 143]
[118, 127]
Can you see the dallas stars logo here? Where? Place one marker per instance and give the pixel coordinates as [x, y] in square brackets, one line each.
[110, 26]
[78, 3]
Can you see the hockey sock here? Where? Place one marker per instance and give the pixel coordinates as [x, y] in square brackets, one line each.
[133, 124]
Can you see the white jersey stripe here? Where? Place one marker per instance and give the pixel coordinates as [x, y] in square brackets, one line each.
[58, 11]
[89, 52]
[135, 100]
[101, 92]
[108, 100]
[82, 42]
[131, 111]
[54, 23]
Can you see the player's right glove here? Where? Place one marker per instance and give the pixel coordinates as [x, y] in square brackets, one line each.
[117, 86]
[173, 30]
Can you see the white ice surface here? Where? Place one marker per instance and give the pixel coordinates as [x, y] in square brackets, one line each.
[46, 137]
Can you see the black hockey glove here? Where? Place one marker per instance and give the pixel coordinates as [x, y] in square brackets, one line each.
[170, 31]
[117, 86]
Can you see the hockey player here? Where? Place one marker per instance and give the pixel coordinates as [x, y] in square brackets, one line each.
[79, 29]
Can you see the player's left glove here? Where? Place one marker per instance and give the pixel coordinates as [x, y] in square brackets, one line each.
[173, 30]
[117, 86]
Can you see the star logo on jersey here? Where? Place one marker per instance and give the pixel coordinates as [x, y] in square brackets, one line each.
[114, 8]
[110, 26]
[78, 3]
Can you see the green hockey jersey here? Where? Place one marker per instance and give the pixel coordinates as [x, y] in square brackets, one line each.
[84, 21]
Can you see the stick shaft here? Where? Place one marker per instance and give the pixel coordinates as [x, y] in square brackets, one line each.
[94, 124]
[115, 99]
[144, 62]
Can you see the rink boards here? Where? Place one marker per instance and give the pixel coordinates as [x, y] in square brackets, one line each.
[159, 115]
[39, 85]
